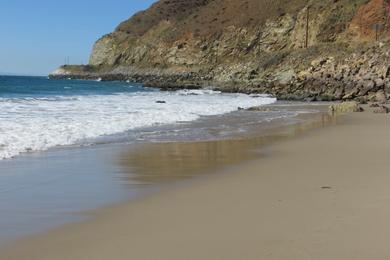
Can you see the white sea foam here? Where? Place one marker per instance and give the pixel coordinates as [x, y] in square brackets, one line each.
[34, 124]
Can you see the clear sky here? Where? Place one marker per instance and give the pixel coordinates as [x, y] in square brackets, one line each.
[37, 35]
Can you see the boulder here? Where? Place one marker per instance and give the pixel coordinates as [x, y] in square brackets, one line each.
[379, 83]
[374, 105]
[345, 107]
[351, 94]
[382, 110]
[381, 97]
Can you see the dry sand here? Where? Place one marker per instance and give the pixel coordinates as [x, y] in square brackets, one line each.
[323, 195]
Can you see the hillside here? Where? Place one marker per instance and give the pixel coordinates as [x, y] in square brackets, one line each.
[251, 46]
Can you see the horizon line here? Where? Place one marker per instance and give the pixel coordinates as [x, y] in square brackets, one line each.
[21, 74]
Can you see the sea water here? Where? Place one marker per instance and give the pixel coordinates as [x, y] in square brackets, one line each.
[37, 114]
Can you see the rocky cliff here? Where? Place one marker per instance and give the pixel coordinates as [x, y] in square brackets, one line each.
[294, 49]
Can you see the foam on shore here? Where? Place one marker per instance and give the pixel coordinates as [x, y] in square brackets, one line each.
[36, 124]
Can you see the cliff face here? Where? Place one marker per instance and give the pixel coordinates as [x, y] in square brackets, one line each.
[251, 45]
[372, 20]
[190, 32]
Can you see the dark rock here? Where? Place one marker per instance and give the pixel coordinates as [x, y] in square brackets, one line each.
[362, 100]
[260, 109]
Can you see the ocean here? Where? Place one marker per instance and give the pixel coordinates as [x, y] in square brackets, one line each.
[37, 114]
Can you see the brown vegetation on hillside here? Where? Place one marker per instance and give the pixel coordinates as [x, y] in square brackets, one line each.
[205, 17]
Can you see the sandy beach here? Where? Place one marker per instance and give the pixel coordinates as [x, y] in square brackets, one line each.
[320, 195]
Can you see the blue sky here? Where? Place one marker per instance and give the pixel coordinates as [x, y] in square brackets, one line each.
[37, 35]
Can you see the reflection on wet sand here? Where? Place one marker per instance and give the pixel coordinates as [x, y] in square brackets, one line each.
[165, 162]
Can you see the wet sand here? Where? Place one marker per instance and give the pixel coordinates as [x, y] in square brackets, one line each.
[320, 195]
[44, 190]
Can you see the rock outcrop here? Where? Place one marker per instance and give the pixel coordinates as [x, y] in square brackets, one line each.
[252, 46]
[345, 107]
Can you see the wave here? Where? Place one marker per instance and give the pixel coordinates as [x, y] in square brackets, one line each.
[36, 124]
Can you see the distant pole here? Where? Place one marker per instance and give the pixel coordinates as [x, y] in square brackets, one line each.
[378, 28]
[376, 32]
[307, 26]
[384, 22]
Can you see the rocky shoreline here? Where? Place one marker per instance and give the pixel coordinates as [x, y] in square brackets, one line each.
[362, 76]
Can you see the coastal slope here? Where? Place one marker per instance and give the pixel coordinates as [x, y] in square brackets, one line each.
[299, 49]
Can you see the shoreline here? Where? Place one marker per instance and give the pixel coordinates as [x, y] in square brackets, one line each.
[309, 196]
[299, 90]
[68, 181]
